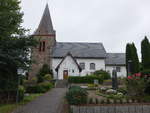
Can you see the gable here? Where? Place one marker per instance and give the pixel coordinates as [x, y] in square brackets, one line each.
[68, 61]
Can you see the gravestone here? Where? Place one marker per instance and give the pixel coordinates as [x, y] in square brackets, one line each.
[114, 80]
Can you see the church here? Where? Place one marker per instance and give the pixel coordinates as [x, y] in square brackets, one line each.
[71, 58]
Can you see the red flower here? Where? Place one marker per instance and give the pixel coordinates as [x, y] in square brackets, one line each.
[129, 77]
[138, 74]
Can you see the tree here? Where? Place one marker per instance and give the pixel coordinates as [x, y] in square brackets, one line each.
[128, 56]
[135, 60]
[145, 51]
[131, 55]
[14, 44]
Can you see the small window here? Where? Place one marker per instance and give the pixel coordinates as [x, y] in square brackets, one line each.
[72, 71]
[92, 66]
[118, 69]
[82, 65]
[40, 46]
[43, 45]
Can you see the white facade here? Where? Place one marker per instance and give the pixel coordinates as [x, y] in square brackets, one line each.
[99, 64]
[67, 64]
[70, 65]
[122, 72]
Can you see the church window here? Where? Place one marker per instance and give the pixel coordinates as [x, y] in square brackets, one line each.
[82, 65]
[42, 46]
[72, 71]
[92, 66]
[118, 69]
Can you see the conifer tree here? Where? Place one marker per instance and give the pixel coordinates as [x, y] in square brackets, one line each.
[128, 57]
[132, 59]
[135, 59]
[145, 51]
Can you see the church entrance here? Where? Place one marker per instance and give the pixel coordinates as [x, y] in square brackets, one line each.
[65, 74]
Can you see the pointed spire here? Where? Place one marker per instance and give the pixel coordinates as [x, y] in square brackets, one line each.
[45, 26]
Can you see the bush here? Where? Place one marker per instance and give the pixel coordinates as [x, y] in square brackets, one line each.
[43, 71]
[39, 88]
[76, 95]
[47, 77]
[103, 74]
[84, 79]
[145, 72]
[21, 93]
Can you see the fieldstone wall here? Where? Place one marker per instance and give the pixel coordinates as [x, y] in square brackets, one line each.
[42, 57]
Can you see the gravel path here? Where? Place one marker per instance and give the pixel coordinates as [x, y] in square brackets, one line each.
[50, 102]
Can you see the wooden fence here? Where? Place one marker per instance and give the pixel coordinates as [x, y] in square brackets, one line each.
[111, 109]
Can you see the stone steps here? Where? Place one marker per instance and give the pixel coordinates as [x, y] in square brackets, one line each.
[61, 84]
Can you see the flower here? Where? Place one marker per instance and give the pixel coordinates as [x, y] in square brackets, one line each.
[138, 74]
[129, 77]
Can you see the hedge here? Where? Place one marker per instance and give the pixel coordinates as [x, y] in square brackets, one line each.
[84, 79]
[39, 88]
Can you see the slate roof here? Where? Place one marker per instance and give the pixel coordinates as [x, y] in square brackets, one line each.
[79, 50]
[115, 59]
[45, 27]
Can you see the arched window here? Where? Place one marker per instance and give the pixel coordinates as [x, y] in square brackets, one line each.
[92, 66]
[42, 46]
[82, 65]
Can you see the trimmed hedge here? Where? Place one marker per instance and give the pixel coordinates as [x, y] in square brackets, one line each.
[39, 88]
[103, 74]
[76, 95]
[84, 79]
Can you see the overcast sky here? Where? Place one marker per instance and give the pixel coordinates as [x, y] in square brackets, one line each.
[112, 22]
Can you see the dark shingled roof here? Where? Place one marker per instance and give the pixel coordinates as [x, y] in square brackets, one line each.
[45, 26]
[79, 50]
[115, 59]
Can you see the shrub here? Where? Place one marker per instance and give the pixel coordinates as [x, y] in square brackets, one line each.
[103, 74]
[42, 72]
[21, 93]
[39, 88]
[76, 96]
[84, 79]
[135, 85]
[47, 77]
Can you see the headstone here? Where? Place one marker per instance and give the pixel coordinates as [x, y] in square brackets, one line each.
[96, 82]
[114, 80]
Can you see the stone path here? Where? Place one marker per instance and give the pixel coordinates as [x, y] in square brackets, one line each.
[50, 102]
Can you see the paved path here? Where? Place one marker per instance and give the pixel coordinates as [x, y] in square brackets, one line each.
[50, 102]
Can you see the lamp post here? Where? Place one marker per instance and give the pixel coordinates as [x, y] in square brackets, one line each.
[129, 67]
[19, 72]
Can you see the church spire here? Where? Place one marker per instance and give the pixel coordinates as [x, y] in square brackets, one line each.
[45, 27]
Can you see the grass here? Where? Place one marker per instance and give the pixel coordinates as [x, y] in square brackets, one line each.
[8, 108]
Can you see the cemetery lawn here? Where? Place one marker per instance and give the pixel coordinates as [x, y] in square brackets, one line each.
[8, 108]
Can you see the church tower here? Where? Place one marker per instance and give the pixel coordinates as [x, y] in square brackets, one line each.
[46, 36]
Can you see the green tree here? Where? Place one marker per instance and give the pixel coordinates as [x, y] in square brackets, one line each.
[145, 51]
[128, 56]
[14, 44]
[135, 60]
[131, 55]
